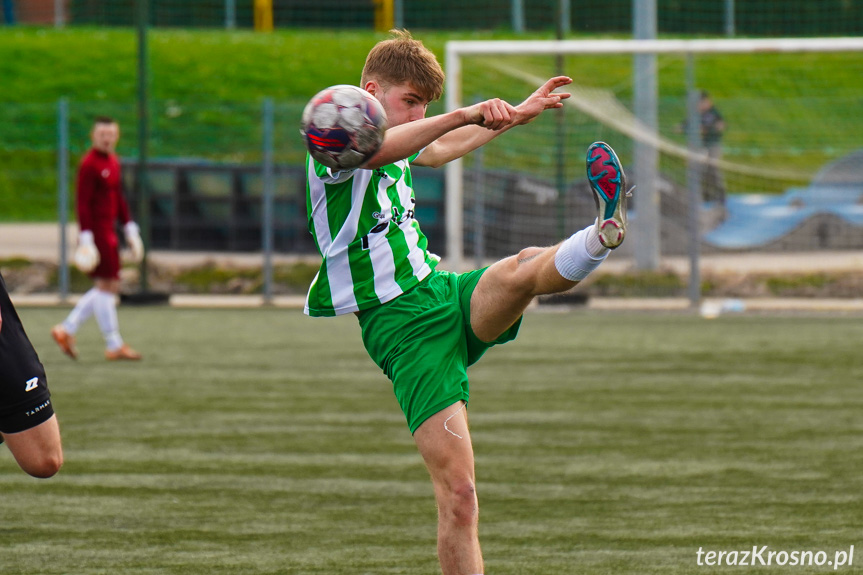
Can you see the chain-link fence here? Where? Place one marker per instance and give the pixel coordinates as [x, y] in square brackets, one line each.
[725, 17]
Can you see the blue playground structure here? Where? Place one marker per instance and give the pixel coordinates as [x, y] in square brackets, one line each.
[756, 220]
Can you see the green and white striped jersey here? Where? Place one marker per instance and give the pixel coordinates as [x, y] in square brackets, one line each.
[371, 244]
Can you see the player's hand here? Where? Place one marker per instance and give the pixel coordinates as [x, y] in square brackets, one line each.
[493, 114]
[86, 256]
[133, 239]
[544, 98]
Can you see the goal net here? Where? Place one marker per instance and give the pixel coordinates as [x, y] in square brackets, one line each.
[782, 171]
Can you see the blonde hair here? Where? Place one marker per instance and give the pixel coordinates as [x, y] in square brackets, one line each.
[403, 60]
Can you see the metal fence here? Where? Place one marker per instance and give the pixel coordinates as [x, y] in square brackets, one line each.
[717, 17]
[212, 193]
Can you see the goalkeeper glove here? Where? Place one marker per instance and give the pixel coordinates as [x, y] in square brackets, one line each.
[133, 240]
[86, 256]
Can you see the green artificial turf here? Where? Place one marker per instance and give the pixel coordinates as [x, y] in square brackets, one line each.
[264, 442]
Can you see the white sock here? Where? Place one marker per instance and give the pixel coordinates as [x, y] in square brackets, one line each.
[580, 254]
[594, 246]
[105, 308]
[81, 312]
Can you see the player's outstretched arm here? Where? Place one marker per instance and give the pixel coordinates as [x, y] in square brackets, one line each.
[459, 142]
[407, 139]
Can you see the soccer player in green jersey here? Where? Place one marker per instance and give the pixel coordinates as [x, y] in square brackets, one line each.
[422, 326]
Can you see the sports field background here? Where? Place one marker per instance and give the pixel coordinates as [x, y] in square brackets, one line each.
[786, 113]
[264, 442]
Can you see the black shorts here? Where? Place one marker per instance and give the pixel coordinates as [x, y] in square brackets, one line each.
[25, 401]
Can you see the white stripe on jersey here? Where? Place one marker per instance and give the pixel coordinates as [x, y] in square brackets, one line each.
[380, 251]
[335, 250]
[318, 199]
[338, 263]
[415, 256]
[320, 221]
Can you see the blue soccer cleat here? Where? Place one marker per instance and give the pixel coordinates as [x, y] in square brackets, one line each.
[608, 183]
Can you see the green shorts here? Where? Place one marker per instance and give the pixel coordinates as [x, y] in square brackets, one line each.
[423, 341]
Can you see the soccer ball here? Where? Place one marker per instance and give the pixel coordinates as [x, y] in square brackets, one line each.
[343, 126]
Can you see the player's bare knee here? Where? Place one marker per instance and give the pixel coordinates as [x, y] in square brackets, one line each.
[462, 507]
[524, 276]
[44, 467]
[529, 254]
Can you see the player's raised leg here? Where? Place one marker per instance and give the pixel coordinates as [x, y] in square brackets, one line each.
[444, 442]
[509, 286]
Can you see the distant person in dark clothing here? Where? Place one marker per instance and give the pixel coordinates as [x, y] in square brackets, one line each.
[712, 129]
[100, 206]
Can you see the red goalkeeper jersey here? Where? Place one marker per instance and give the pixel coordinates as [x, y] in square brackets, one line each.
[100, 194]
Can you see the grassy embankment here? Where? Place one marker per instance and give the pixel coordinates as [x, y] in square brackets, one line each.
[206, 89]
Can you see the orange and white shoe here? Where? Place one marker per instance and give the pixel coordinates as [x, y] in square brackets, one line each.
[65, 340]
[121, 353]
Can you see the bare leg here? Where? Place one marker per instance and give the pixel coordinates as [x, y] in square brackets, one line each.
[37, 450]
[444, 442]
[506, 289]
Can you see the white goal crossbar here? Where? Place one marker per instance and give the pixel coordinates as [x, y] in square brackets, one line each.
[456, 50]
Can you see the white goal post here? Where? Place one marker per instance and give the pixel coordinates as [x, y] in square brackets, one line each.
[457, 50]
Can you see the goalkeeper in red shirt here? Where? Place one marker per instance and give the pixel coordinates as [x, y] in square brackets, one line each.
[101, 205]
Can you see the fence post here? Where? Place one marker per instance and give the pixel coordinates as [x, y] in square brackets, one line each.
[384, 15]
[730, 27]
[399, 14]
[63, 192]
[563, 18]
[230, 14]
[646, 154]
[142, 187]
[263, 15]
[693, 181]
[267, 211]
[560, 124]
[59, 14]
[518, 16]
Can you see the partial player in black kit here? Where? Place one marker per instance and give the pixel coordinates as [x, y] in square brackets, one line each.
[28, 424]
